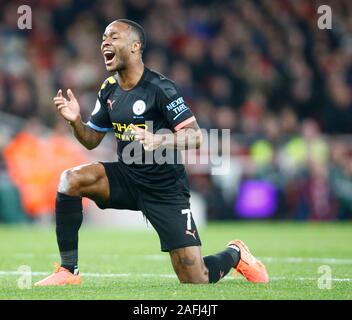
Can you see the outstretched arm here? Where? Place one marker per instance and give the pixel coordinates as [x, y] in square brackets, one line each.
[70, 111]
[189, 137]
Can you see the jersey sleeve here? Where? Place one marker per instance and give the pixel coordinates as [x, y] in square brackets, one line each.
[99, 119]
[172, 105]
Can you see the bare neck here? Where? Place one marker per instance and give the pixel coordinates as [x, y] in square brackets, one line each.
[130, 76]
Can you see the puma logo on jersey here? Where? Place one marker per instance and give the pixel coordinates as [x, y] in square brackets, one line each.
[110, 103]
[193, 234]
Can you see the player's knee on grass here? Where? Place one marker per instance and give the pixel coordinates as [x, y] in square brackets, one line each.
[189, 266]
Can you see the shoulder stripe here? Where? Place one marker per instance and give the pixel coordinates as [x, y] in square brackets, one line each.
[110, 80]
[184, 123]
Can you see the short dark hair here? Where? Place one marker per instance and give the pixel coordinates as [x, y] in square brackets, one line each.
[138, 29]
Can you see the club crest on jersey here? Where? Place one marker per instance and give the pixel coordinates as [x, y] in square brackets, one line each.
[139, 107]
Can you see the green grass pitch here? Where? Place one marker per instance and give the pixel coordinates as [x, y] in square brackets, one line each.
[119, 264]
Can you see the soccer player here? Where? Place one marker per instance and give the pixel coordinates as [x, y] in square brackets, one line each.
[127, 101]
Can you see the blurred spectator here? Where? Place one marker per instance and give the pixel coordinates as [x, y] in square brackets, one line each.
[341, 178]
[35, 162]
[261, 68]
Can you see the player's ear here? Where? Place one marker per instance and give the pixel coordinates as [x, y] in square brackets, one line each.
[136, 45]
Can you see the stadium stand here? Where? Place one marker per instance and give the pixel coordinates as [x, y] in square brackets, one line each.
[261, 68]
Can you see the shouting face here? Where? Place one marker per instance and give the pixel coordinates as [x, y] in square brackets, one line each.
[118, 45]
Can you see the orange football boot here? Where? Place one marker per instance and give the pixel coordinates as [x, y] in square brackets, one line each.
[60, 277]
[250, 267]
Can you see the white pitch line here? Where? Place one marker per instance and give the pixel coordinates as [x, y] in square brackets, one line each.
[90, 274]
[160, 257]
[172, 276]
[276, 259]
[305, 260]
[18, 273]
[310, 279]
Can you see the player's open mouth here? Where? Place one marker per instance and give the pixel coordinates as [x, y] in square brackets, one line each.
[109, 56]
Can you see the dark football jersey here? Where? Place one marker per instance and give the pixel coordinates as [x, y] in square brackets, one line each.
[153, 104]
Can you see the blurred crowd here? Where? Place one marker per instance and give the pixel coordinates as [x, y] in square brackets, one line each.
[261, 68]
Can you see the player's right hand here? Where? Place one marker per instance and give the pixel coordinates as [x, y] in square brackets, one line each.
[69, 109]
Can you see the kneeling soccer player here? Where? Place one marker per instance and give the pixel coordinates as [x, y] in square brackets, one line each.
[127, 101]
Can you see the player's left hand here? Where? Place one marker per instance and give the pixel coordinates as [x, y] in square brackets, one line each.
[149, 140]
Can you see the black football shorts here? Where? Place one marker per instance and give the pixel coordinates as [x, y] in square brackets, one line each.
[167, 209]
